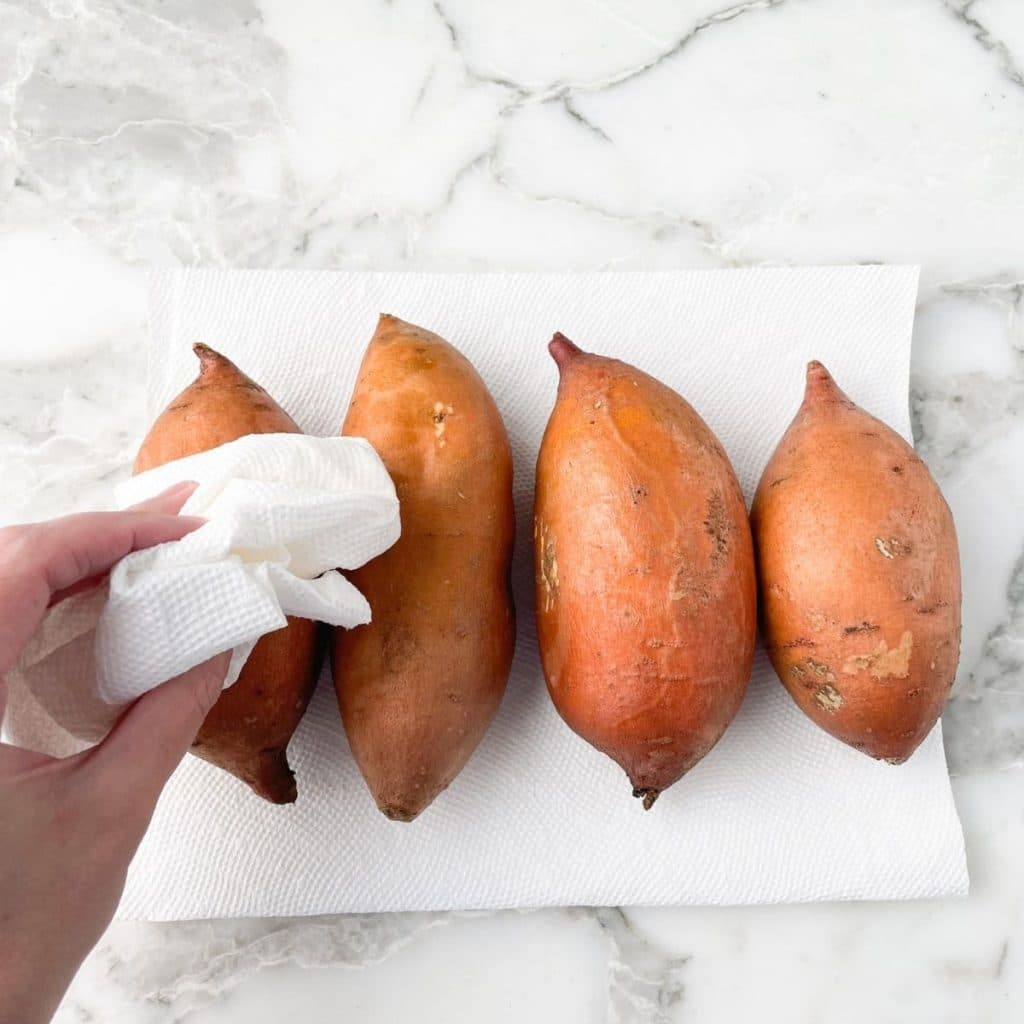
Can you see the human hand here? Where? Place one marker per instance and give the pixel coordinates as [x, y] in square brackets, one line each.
[70, 827]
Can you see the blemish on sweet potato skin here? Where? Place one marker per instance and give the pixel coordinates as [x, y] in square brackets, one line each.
[859, 552]
[893, 547]
[828, 698]
[548, 590]
[883, 662]
[861, 627]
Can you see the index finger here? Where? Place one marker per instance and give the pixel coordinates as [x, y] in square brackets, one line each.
[169, 501]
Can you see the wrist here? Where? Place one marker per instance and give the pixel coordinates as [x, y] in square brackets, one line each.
[32, 980]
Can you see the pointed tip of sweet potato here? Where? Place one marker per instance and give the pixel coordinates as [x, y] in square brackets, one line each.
[563, 351]
[208, 356]
[821, 386]
[213, 363]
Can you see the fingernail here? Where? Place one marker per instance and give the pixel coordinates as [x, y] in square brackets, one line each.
[194, 522]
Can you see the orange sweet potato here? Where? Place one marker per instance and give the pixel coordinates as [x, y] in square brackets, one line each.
[247, 731]
[859, 575]
[419, 685]
[646, 597]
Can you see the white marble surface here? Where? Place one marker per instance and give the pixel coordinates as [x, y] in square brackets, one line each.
[568, 133]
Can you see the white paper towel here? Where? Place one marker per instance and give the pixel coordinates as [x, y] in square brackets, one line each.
[283, 512]
[778, 811]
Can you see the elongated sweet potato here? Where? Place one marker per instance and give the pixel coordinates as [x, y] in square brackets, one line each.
[859, 575]
[419, 685]
[247, 731]
[646, 601]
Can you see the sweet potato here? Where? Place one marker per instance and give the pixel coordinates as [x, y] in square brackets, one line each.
[419, 685]
[247, 731]
[859, 575]
[646, 598]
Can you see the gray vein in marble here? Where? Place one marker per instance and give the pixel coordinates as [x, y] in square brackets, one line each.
[960, 971]
[1001, 962]
[246, 12]
[449, 25]
[721, 17]
[557, 91]
[579, 118]
[986, 714]
[659, 222]
[183, 967]
[194, 964]
[956, 419]
[21, 71]
[60, 95]
[520, 92]
[200, 128]
[428, 79]
[1006, 293]
[962, 10]
[483, 160]
[69, 431]
[625, 21]
[644, 983]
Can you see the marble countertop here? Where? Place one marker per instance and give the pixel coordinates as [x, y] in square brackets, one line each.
[447, 134]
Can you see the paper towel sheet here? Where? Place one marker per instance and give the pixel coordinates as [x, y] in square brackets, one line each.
[778, 811]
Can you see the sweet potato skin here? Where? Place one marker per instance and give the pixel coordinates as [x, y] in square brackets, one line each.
[419, 685]
[247, 731]
[645, 588]
[859, 575]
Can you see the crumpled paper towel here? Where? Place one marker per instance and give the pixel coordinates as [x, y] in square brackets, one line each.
[778, 811]
[284, 512]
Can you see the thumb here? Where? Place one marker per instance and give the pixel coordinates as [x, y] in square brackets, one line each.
[150, 739]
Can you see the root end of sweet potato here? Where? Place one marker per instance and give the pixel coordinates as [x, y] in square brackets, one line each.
[273, 779]
[648, 796]
[395, 813]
